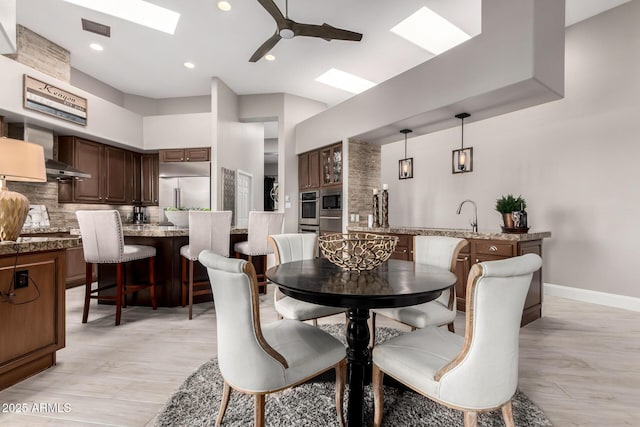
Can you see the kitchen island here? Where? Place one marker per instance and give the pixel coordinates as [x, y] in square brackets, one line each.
[167, 240]
[32, 314]
[483, 246]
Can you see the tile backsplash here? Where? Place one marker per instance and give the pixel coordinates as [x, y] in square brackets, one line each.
[64, 214]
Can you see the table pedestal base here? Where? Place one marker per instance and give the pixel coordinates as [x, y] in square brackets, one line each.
[358, 361]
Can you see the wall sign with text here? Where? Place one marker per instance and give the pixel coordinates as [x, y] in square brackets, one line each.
[48, 99]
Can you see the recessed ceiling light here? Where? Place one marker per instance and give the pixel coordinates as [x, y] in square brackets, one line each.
[345, 81]
[430, 31]
[96, 46]
[138, 11]
[189, 65]
[225, 6]
[269, 57]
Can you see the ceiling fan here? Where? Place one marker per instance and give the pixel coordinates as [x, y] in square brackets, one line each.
[288, 29]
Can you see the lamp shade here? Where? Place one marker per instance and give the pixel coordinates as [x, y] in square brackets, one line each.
[21, 161]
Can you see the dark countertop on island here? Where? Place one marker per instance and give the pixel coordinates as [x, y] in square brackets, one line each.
[450, 232]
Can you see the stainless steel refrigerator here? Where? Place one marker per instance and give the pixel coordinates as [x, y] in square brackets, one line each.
[184, 185]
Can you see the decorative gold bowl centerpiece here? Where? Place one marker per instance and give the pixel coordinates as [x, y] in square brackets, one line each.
[357, 251]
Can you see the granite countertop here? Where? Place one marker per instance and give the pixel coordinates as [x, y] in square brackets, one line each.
[41, 230]
[450, 232]
[147, 230]
[38, 244]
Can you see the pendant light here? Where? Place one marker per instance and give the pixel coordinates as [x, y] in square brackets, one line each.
[462, 159]
[405, 166]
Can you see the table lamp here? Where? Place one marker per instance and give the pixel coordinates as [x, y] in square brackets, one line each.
[19, 161]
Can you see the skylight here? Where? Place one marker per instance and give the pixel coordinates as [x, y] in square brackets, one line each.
[345, 81]
[137, 11]
[430, 31]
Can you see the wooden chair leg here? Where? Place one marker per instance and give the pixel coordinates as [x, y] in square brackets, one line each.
[378, 396]
[119, 291]
[341, 373]
[183, 283]
[451, 327]
[372, 327]
[152, 282]
[190, 289]
[259, 411]
[226, 394]
[507, 415]
[314, 322]
[87, 291]
[470, 419]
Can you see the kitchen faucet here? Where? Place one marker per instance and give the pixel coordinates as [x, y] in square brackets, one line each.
[474, 221]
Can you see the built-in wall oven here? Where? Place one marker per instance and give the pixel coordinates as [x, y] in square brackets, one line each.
[331, 210]
[309, 208]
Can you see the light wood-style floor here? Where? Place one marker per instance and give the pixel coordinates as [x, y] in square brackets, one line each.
[580, 364]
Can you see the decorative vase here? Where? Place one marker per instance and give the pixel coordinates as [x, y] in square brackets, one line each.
[376, 213]
[507, 218]
[385, 208]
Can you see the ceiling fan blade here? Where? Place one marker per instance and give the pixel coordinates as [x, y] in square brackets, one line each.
[272, 9]
[266, 47]
[325, 31]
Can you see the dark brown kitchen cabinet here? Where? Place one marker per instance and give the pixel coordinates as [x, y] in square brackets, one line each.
[198, 154]
[404, 247]
[331, 165]
[133, 171]
[309, 170]
[150, 179]
[106, 165]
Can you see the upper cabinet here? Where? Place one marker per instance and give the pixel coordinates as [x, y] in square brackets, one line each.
[117, 176]
[331, 165]
[150, 179]
[309, 170]
[201, 154]
[106, 165]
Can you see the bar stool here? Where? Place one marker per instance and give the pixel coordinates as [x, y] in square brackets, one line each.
[103, 243]
[210, 231]
[261, 225]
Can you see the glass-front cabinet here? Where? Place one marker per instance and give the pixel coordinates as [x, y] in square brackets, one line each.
[331, 161]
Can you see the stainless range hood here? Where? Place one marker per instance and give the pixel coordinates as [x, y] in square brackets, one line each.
[55, 169]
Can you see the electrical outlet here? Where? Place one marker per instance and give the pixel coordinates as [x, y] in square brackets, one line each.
[21, 279]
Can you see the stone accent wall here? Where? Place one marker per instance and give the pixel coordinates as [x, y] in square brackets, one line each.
[37, 52]
[364, 176]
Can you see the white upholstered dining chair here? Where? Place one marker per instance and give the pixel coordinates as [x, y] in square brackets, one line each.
[295, 247]
[261, 225]
[438, 251]
[479, 372]
[103, 243]
[260, 359]
[207, 230]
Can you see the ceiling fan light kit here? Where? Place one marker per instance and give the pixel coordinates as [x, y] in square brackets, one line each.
[288, 29]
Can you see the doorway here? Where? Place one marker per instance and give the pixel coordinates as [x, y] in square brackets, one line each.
[244, 198]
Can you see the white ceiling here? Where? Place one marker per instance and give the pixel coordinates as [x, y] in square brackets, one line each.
[145, 62]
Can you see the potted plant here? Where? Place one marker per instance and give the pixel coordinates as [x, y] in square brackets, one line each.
[508, 204]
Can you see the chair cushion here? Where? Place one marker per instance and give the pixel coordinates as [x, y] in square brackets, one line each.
[291, 308]
[185, 251]
[432, 313]
[308, 350]
[133, 252]
[244, 248]
[416, 357]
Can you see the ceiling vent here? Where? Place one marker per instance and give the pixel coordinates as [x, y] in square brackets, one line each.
[94, 27]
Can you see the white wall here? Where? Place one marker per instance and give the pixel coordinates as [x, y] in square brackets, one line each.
[574, 160]
[106, 122]
[235, 145]
[177, 130]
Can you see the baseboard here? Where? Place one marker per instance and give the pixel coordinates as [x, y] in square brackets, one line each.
[594, 297]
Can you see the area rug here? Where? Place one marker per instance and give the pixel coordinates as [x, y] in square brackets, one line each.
[197, 401]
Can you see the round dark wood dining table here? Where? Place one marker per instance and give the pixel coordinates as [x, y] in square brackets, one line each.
[395, 283]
